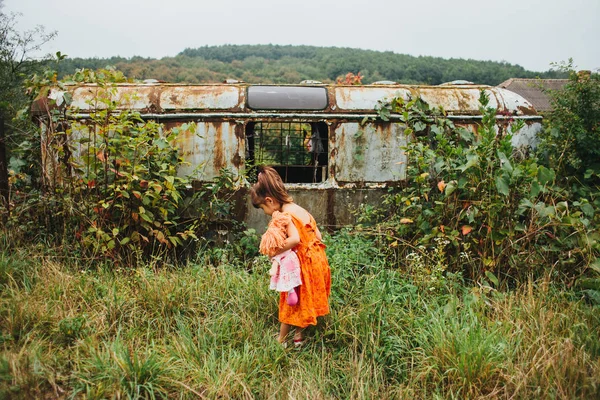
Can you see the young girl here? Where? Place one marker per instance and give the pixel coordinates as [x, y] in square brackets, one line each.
[304, 237]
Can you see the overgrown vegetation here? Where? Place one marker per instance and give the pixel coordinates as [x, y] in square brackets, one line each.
[498, 216]
[109, 186]
[207, 331]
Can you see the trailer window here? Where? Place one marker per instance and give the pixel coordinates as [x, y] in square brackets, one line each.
[297, 150]
[287, 98]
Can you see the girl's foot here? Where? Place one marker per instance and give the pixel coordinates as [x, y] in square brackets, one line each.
[281, 341]
[298, 339]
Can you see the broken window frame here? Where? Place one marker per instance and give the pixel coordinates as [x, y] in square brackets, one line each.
[297, 150]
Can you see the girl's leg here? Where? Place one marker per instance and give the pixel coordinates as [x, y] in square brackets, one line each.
[284, 330]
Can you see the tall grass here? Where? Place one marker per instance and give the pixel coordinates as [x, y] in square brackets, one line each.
[208, 331]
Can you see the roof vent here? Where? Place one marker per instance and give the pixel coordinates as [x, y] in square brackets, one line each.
[456, 82]
[311, 82]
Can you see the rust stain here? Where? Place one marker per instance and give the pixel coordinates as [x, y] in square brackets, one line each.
[186, 142]
[154, 101]
[464, 100]
[527, 110]
[240, 130]
[218, 161]
[240, 135]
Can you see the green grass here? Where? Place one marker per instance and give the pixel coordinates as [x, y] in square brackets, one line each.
[208, 331]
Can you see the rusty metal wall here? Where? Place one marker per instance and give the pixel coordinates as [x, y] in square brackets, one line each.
[368, 153]
[331, 207]
[208, 147]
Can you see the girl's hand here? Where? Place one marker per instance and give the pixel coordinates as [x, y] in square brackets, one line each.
[318, 233]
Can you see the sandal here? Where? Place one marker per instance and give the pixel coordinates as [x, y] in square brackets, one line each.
[298, 343]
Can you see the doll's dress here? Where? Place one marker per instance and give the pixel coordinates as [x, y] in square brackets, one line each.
[285, 270]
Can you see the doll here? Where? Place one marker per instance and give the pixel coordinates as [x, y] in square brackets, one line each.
[285, 267]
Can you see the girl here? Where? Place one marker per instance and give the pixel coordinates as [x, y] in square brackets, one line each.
[304, 237]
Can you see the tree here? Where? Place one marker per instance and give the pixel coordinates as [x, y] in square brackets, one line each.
[572, 130]
[18, 57]
[17, 60]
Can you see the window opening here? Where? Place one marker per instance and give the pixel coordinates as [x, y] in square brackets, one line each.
[296, 150]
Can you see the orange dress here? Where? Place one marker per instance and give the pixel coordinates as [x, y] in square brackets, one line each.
[313, 298]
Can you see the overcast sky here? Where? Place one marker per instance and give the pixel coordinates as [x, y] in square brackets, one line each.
[530, 33]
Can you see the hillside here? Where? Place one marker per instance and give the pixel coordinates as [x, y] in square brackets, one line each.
[292, 64]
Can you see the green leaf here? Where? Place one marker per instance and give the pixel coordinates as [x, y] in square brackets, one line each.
[124, 241]
[505, 163]
[161, 143]
[545, 175]
[535, 189]
[419, 126]
[437, 130]
[587, 209]
[450, 188]
[595, 265]
[465, 134]
[492, 277]
[472, 160]
[502, 185]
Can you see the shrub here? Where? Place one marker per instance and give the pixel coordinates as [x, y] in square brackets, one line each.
[502, 215]
[110, 183]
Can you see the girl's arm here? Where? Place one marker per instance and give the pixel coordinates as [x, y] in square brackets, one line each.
[292, 240]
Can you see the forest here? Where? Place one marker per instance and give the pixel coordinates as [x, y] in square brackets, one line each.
[293, 64]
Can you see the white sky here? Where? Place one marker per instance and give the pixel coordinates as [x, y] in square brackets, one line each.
[530, 33]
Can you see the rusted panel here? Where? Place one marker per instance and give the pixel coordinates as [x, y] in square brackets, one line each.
[354, 98]
[369, 153]
[462, 100]
[157, 97]
[456, 100]
[215, 97]
[134, 97]
[208, 147]
[513, 101]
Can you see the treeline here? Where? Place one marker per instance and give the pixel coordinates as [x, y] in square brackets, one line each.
[293, 64]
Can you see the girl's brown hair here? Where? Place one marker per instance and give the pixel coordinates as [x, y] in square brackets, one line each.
[269, 184]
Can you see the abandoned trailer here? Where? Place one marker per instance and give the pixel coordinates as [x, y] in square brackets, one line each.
[313, 134]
